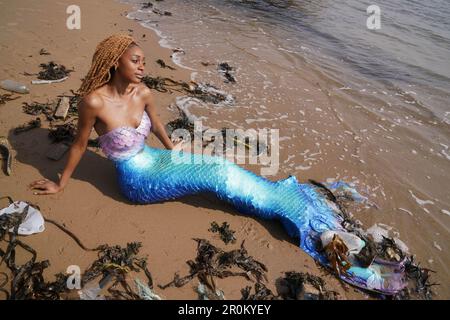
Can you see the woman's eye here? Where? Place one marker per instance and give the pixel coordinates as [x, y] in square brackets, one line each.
[134, 61]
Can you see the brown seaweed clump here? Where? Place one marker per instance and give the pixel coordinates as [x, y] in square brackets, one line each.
[115, 262]
[36, 123]
[7, 97]
[226, 234]
[37, 108]
[214, 262]
[53, 71]
[304, 286]
[63, 133]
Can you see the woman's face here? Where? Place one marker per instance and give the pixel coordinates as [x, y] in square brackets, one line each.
[132, 64]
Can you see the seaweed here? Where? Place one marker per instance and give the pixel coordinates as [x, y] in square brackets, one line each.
[160, 84]
[94, 143]
[304, 286]
[421, 287]
[214, 262]
[261, 293]
[336, 252]
[164, 65]
[162, 13]
[7, 97]
[53, 71]
[180, 123]
[225, 69]
[37, 108]
[204, 92]
[226, 234]
[63, 133]
[32, 124]
[146, 5]
[118, 261]
[44, 52]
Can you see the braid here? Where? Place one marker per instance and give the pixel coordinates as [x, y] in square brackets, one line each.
[106, 55]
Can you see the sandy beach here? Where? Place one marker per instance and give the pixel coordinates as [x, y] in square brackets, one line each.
[91, 206]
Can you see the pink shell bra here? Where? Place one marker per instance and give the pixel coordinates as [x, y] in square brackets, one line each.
[124, 142]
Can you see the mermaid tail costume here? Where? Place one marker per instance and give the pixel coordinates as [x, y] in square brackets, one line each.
[148, 175]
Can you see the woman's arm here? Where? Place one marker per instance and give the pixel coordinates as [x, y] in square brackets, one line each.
[157, 126]
[87, 111]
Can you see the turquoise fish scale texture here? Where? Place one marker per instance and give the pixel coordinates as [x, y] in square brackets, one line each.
[156, 175]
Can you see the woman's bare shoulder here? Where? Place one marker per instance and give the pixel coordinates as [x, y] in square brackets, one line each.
[92, 101]
[143, 90]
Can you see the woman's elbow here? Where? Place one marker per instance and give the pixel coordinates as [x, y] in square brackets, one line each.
[80, 145]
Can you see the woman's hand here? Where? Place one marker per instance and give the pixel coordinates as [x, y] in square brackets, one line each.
[46, 186]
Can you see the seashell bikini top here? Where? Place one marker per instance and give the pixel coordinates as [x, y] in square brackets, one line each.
[124, 142]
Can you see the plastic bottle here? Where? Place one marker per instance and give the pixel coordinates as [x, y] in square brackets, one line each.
[14, 86]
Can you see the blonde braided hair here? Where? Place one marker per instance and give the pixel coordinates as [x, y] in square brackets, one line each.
[105, 57]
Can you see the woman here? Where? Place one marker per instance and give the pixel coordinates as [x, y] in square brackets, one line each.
[122, 111]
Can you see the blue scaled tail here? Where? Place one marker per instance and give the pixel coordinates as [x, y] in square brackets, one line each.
[156, 175]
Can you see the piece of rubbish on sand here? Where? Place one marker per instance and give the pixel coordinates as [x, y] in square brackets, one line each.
[32, 124]
[205, 293]
[32, 223]
[92, 291]
[337, 254]
[144, 291]
[48, 81]
[6, 154]
[62, 108]
[57, 151]
[354, 243]
[14, 86]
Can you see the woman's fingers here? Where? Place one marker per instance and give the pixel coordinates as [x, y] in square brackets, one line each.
[38, 182]
[41, 192]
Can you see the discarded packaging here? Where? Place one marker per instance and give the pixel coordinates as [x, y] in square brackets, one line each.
[353, 243]
[14, 86]
[33, 222]
[62, 108]
[48, 81]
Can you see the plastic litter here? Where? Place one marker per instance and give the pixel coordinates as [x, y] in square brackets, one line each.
[33, 222]
[14, 86]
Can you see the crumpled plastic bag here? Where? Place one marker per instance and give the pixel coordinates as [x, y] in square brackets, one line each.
[33, 222]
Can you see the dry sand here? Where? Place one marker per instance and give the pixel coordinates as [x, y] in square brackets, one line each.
[91, 206]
